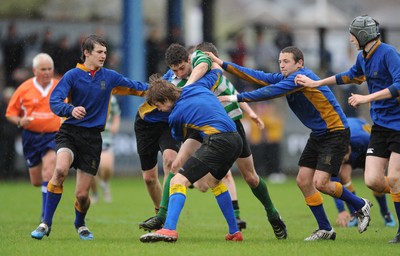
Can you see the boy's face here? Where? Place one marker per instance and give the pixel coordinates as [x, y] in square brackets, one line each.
[287, 64]
[166, 106]
[97, 57]
[182, 70]
[354, 41]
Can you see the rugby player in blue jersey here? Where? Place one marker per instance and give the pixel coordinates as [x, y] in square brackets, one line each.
[318, 110]
[378, 64]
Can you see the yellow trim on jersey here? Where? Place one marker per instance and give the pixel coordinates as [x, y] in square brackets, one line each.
[327, 111]
[145, 108]
[122, 90]
[206, 129]
[218, 190]
[355, 80]
[244, 76]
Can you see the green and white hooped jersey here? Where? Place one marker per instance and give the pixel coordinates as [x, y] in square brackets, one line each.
[225, 87]
[114, 110]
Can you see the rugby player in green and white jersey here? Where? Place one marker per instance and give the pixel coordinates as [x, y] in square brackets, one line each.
[178, 74]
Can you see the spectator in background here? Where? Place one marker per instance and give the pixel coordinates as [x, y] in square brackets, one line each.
[239, 50]
[266, 144]
[264, 53]
[237, 53]
[155, 48]
[284, 37]
[175, 36]
[8, 134]
[64, 60]
[13, 50]
[48, 45]
[75, 49]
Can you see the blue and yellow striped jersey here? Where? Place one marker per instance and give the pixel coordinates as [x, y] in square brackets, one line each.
[316, 108]
[80, 88]
[197, 108]
[381, 70]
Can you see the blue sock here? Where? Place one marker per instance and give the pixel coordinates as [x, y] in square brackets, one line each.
[320, 216]
[175, 206]
[44, 198]
[339, 205]
[225, 204]
[338, 202]
[51, 206]
[352, 199]
[382, 204]
[79, 218]
[351, 208]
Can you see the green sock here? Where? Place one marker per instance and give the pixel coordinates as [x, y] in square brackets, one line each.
[162, 213]
[235, 205]
[261, 192]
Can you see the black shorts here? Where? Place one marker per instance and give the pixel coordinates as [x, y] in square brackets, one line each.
[358, 162]
[383, 141]
[246, 151]
[152, 138]
[85, 143]
[216, 155]
[326, 152]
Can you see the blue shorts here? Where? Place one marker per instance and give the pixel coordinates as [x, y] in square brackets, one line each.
[35, 146]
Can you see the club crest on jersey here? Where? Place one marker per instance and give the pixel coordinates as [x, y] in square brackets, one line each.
[103, 85]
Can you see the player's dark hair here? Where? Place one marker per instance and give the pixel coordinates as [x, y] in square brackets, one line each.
[176, 54]
[297, 54]
[88, 44]
[161, 90]
[207, 47]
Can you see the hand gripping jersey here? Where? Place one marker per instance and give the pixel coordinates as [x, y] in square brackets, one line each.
[92, 92]
[198, 109]
[150, 113]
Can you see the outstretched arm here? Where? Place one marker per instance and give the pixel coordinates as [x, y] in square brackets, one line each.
[308, 82]
[357, 99]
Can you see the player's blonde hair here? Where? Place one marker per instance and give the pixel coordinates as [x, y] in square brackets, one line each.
[161, 90]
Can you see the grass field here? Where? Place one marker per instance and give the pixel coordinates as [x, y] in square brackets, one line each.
[201, 227]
